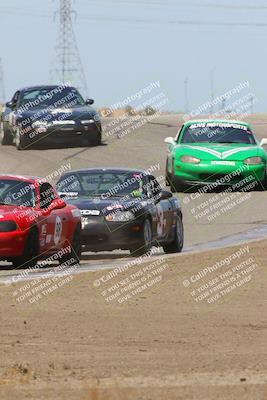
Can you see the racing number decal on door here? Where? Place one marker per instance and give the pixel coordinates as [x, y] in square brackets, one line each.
[58, 230]
[161, 225]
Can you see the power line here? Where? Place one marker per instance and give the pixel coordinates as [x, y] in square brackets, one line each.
[2, 85]
[24, 13]
[141, 20]
[176, 22]
[180, 4]
[67, 66]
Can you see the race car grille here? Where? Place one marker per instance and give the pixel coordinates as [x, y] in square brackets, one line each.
[8, 226]
[214, 177]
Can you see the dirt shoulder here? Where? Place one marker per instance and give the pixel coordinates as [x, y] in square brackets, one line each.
[191, 327]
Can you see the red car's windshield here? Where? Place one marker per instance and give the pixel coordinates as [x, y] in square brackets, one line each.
[16, 192]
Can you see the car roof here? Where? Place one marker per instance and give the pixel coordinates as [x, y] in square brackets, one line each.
[109, 169]
[51, 87]
[218, 121]
[25, 178]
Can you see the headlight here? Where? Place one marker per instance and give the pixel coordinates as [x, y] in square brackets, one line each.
[253, 161]
[63, 122]
[88, 121]
[38, 124]
[190, 160]
[8, 226]
[120, 216]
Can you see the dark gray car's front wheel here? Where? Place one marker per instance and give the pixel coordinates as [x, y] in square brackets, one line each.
[177, 244]
[145, 244]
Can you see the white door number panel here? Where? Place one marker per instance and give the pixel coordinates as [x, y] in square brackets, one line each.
[58, 230]
[161, 221]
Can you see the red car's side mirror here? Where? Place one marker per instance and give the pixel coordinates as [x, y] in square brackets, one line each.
[57, 204]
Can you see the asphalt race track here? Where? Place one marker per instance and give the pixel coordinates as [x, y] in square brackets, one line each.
[145, 148]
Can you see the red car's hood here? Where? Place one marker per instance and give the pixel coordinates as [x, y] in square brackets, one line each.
[15, 213]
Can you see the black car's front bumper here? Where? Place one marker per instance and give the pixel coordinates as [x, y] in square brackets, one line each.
[100, 235]
[60, 132]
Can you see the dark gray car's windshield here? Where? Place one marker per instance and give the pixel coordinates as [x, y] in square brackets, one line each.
[15, 192]
[218, 133]
[103, 184]
[57, 97]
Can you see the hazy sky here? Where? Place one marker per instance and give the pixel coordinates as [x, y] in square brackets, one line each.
[126, 44]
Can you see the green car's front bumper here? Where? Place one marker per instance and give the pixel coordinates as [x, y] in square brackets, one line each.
[208, 172]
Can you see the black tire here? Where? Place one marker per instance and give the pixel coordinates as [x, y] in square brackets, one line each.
[20, 141]
[176, 186]
[145, 245]
[30, 256]
[6, 137]
[167, 176]
[176, 246]
[74, 256]
[263, 184]
[95, 139]
[173, 182]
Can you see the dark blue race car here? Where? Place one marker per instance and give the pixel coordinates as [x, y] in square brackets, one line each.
[50, 113]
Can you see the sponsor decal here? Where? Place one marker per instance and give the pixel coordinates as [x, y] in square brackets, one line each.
[44, 229]
[161, 221]
[90, 212]
[218, 125]
[114, 206]
[48, 239]
[76, 213]
[232, 163]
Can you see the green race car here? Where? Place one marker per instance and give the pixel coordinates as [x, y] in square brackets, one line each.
[215, 153]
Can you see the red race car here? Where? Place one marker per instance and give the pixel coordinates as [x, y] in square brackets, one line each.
[35, 223]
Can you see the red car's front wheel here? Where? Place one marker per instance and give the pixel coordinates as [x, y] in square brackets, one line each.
[30, 255]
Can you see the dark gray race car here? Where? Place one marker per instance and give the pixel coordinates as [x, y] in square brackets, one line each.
[124, 209]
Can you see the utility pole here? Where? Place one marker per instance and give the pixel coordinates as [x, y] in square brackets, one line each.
[212, 91]
[186, 95]
[223, 106]
[251, 104]
[2, 85]
[67, 65]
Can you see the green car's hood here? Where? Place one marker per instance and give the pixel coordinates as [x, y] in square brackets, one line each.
[217, 151]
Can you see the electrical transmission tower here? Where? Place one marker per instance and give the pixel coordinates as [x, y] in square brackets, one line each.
[2, 86]
[67, 65]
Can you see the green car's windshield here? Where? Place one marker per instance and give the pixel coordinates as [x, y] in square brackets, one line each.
[15, 192]
[103, 184]
[218, 133]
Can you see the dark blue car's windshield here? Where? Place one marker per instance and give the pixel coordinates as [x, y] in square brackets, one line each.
[57, 97]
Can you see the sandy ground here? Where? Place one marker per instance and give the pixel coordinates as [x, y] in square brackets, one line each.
[195, 329]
